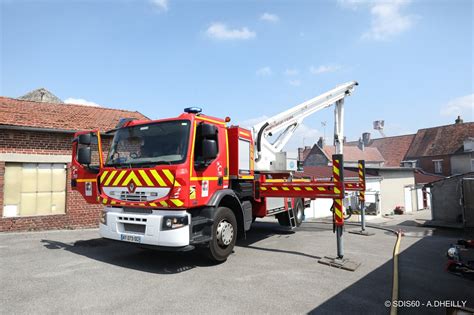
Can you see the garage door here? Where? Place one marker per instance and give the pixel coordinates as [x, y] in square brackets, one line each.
[34, 189]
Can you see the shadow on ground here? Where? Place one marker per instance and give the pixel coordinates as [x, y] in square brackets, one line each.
[422, 278]
[130, 256]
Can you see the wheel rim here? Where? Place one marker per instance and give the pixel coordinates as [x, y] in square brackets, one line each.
[299, 214]
[225, 233]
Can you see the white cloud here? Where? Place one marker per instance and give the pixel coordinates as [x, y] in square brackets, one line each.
[462, 106]
[324, 69]
[387, 17]
[79, 101]
[222, 32]
[291, 72]
[295, 82]
[268, 17]
[265, 71]
[161, 5]
[303, 134]
[249, 123]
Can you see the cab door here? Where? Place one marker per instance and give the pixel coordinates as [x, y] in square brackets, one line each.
[87, 162]
[209, 170]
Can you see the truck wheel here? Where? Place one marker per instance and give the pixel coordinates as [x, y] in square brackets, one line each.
[299, 212]
[224, 234]
[283, 219]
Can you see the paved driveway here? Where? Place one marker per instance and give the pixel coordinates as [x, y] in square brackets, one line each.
[273, 271]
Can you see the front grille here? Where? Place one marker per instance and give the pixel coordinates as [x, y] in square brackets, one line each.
[134, 228]
[132, 219]
[137, 210]
[137, 196]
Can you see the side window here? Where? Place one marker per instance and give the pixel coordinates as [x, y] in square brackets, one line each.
[206, 146]
[438, 166]
[244, 156]
[95, 159]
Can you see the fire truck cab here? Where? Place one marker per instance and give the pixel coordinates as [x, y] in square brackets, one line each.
[175, 183]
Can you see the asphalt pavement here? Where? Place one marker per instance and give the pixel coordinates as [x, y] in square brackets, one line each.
[272, 271]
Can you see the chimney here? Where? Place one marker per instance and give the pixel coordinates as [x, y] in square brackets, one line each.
[458, 120]
[366, 138]
[360, 145]
[321, 142]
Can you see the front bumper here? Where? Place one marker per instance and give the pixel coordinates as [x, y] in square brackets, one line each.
[144, 228]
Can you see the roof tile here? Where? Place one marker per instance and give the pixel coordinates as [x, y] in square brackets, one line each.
[441, 140]
[71, 117]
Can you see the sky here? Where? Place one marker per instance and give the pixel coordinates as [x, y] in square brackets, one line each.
[248, 59]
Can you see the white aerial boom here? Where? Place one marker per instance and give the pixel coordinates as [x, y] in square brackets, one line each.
[287, 122]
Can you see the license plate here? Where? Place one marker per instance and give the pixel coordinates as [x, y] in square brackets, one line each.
[131, 238]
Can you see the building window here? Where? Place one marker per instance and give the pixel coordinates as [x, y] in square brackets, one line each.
[34, 189]
[438, 166]
[472, 165]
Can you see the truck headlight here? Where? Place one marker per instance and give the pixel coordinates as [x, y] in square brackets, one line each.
[174, 222]
[103, 217]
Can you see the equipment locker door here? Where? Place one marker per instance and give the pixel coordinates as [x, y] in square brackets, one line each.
[84, 175]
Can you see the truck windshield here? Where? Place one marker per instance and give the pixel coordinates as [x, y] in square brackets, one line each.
[157, 143]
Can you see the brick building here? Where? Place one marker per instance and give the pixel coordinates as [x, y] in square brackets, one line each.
[35, 155]
[444, 150]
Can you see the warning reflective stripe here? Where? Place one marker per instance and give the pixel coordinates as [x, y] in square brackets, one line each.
[309, 188]
[274, 188]
[336, 190]
[158, 178]
[152, 204]
[145, 178]
[177, 202]
[104, 201]
[263, 188]
[109, 179]
[163, 203]
[336, 170]
[338, 201]
[285, 188]
[169, 176]
[297, 188]
[102, 177]
[119, 178]
[361, 174]
[131, 177]
[321, 188]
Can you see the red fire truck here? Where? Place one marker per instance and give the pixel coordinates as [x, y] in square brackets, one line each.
[193, 180]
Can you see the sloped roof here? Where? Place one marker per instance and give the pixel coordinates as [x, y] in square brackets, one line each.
[441, 140]
[353, 153]
[65, 117]
[422, 177]
[303, 153]
[41, 95]
[393, 149]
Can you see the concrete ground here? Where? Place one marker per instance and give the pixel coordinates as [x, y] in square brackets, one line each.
[272, 271]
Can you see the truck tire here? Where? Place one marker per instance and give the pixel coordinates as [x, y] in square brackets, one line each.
[298, 211]
[224, 235]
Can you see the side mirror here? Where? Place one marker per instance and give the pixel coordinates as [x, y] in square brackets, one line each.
[209, 149]
[208, 130]
[84, 155]
[85, 139]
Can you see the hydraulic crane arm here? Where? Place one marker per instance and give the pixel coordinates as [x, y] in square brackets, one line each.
[288, 121]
